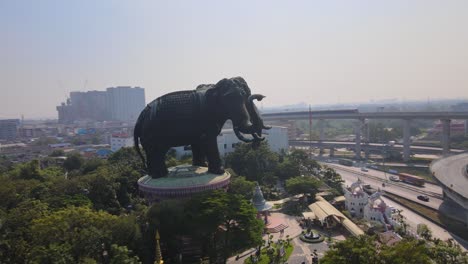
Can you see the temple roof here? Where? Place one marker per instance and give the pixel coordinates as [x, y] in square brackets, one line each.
[258, 201]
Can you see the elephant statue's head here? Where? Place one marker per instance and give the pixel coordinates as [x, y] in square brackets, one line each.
[234, 96]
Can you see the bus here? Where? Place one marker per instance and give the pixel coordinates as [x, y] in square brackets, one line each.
[411, 179]
[346, 162]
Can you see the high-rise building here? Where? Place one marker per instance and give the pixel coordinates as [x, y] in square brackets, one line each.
[8, 129]
[125, 103]
[119, 103]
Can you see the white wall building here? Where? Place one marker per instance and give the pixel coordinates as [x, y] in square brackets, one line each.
[277, 138]
[377, 210]
[356, 199]
[121, 140]
[372, 208]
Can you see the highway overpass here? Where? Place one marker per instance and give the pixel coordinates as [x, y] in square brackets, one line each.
[370, 147]
[361, 123]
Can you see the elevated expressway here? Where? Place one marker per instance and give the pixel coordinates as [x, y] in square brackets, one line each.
[452, 175]
[361, 123]
[369, 147]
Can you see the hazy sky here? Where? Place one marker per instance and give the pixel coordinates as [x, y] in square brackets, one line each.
[292, 51]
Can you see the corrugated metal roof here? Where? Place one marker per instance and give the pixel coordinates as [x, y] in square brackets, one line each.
[323, 209]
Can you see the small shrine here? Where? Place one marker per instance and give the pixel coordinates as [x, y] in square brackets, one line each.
[273, 225]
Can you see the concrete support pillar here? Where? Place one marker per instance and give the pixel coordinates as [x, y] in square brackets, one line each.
[445, 139]
[406, 139]
[358, 128]
[332, 152]
[367, 152]
[466, 127]
[321, 124]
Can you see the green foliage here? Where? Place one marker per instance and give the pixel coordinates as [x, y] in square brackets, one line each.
[302, 185]
[73, 162]
[354, 250]
[448, 252]
[365, 250]
[287, 169]
[81, 231]
[91, 165]
[424, 231]
[121, 255]
[239, 185]
[220, 223]
[252, 163]
[333, 179]
[57, 153]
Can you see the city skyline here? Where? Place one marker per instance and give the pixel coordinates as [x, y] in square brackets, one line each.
[315, 53]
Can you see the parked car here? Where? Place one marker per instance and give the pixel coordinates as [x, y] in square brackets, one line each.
[364, 169]
[423, 198]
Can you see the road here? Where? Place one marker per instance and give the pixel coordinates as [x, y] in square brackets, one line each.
[412, 218]
[452, 172]
[376, 178]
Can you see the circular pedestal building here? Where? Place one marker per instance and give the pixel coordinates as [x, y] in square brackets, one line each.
[181, 182]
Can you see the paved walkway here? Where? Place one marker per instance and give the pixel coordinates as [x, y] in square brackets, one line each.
[301, 251]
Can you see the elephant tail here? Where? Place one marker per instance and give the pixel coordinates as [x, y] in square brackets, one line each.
[137, 134]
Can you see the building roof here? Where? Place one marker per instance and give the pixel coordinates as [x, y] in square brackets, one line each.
[258, 201]
[389, 238]
[323, 209]
[339, 199]
[310, 215]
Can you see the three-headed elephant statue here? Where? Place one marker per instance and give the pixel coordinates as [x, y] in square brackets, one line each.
[196, 117]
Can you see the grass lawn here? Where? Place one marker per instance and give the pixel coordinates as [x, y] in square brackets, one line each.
[265, 258]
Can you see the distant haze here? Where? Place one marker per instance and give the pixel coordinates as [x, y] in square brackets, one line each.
[315, 52]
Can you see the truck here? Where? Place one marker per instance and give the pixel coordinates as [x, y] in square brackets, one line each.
[411, 179]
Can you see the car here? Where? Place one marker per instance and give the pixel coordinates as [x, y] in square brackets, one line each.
[364, 169]
[423, 198]
[394, 178]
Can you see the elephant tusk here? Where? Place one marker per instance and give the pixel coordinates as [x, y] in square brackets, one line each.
[266, 127]
[258, 137]
[257, 97]
[241, 137]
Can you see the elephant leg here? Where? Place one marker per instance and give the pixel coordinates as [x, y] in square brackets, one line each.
[212, 153]
[158, 162]
[198, 155]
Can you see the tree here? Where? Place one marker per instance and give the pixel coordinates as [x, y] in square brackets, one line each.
[252, 163]
[287, 169]
[81, 232]
[127, 157]
[57, 153]
[424, 231]
[409, 251]
[333, 179]
[448, 252]
[73, 162]
[302, 185]
[353, 250]
[240, 228]
[239, 185]
[299, 156]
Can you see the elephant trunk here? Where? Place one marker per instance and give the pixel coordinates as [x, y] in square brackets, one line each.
[257, 121]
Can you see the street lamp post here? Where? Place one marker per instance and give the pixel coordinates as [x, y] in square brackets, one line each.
[384, 154]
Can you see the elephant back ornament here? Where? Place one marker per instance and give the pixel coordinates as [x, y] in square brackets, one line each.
[195, 118]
